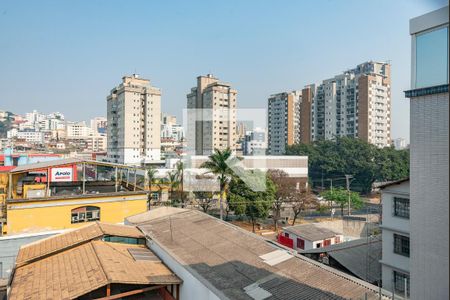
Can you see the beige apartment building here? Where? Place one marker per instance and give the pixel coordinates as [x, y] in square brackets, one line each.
[211, 116]
[134, 122]
[356, 103]
[283, 121]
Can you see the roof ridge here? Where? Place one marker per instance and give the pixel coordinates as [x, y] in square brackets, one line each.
[100, 262]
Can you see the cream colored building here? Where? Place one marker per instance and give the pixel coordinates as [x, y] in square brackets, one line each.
[134, 122]
[211, 116]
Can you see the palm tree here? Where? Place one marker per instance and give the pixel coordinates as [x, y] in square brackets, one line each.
[151, 176]
[218, 165]
[180, 173]
[173, 183]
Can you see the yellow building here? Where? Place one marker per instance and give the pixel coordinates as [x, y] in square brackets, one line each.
[69, 193]
[53, 213]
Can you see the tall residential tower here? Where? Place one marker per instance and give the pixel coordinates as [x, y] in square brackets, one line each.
[356, 103]
[134, 122]
[211, 116]
[283, 121]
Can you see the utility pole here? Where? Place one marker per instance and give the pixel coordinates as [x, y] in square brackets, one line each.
[347, 180]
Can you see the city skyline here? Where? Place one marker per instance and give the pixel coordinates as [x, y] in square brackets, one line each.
[243, 53]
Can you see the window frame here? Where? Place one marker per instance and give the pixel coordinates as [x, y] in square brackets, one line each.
[398, 211]
[399, 282]
[400, 244]
[80, 214]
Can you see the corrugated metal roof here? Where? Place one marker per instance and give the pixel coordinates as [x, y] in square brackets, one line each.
[311, 232]
[66, 161]
[361, 257]
[46, 164]
[228, 260]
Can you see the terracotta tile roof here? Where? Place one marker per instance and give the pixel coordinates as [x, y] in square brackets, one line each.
[120, 230]
[65, 275]
[230, 261]
[120, 266]
[58, 242]
[74, 237]
[74, 263]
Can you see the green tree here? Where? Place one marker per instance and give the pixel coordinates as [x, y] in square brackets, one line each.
[332, 159]
[254, 204]
[218, 164]
[341, 197]
[204, 199]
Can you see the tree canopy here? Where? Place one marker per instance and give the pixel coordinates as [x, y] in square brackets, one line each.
[333, 159]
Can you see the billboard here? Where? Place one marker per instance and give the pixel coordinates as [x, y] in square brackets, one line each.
[61, 174]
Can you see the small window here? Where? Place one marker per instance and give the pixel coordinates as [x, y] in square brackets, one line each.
[401, 244]
[399, 283]
[85, 214]
[401, 207]
[300, 243]
[326, 243]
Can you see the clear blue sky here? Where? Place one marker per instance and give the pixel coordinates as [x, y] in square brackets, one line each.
[66, 55]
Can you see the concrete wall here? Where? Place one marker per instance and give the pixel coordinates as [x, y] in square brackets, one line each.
[429, 197]
[350, 227]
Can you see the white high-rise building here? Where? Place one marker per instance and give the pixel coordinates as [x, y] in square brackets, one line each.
[283, 121]
[211, 116]
[134, 122]
[356, 103]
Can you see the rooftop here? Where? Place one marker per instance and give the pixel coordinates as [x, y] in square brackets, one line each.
[361, 257]
[311, 232]
[236, 264]
[76, 263]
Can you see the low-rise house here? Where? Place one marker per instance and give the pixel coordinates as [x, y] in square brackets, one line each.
[96, 261]
[395, 227]
[310, 236]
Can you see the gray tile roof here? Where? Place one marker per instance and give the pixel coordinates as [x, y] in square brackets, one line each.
[227, 259]
[311, 232]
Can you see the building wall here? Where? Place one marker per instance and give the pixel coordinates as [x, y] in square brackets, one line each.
[429, 151]
[211, 117]
[429, 197]
[134, 122]
[356, 103]
[35, 215]
[283, 121]
[313, 244]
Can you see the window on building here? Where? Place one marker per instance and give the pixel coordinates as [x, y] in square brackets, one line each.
[401, 244]
[326, 243]
[85, 214]
[401, 207]
[300, 243]
[400, 279]
[432, 58]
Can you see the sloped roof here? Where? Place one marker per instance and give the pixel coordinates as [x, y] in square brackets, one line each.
[68, 272]
[311, 232]
[74, 237]
[233, 263]
[361, 257]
